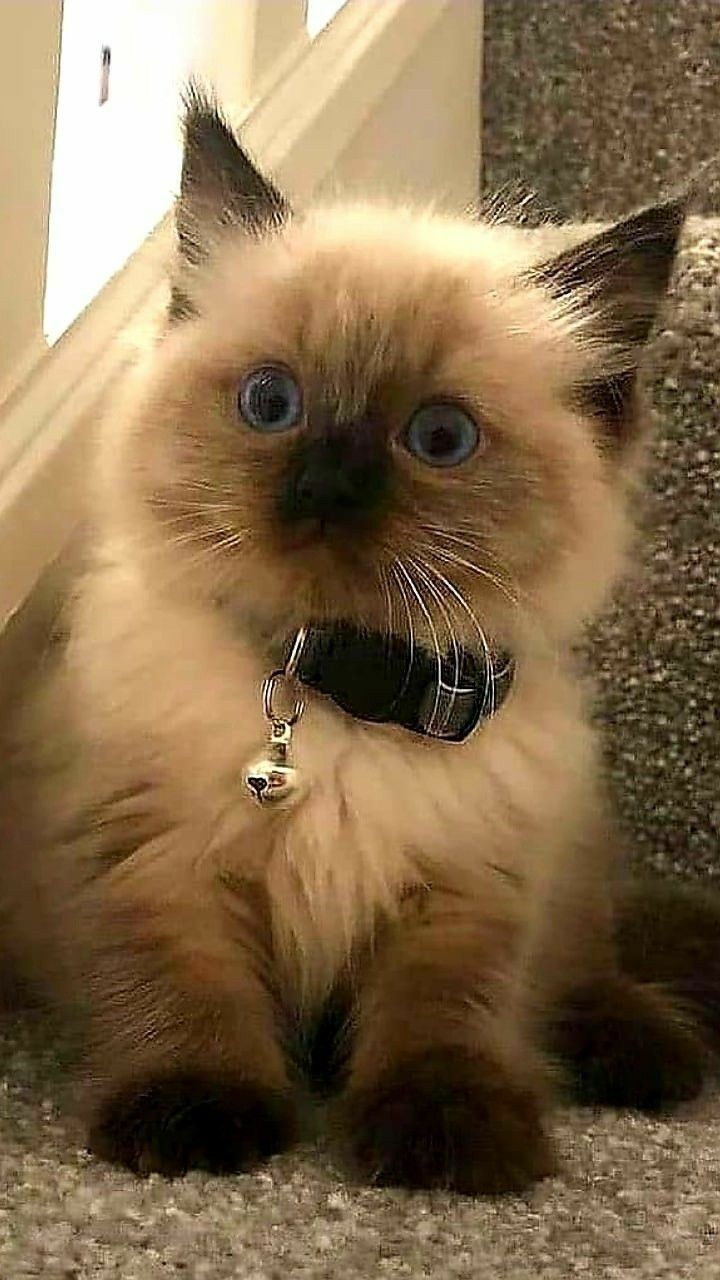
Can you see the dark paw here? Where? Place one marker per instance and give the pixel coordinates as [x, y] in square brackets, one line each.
[450, 1120]
[626, 1045]
[172, 1124]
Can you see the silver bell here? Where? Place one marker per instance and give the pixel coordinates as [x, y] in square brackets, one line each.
[273, 779]
[270, 782]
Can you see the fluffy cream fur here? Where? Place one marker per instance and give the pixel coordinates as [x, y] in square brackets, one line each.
[164, 681]
[158, 886]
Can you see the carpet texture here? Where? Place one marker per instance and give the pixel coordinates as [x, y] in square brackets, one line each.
[656, 655]
[577, 99]
[636, 1198]
[599, 107]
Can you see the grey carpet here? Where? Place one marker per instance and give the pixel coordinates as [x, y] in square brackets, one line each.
[657, 653]
[633, 1200]
[599, 106]
[577, 95]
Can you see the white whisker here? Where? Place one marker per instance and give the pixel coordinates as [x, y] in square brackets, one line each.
[198, 536]
[451, 557]
[433, 632]
[510, 591]
[383, 578]
[421, 568]
[460, 598]
[220, 540]
[191, 509]
[410, 626]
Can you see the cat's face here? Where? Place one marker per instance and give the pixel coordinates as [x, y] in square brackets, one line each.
[365, 414]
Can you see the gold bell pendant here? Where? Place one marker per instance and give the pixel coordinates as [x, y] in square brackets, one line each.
[272, 780]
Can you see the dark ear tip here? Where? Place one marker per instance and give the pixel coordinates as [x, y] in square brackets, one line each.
[663, 221]
[196, 99]
[619, 277]
[195, 95]
[220, 186]
[201, 113]
[643, 244]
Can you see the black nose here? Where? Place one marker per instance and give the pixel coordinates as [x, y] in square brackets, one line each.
[335, 480]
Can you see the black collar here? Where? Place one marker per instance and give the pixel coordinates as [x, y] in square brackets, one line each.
[380, 678]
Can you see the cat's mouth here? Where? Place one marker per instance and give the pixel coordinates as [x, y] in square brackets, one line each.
[308, 533]
[327, 542]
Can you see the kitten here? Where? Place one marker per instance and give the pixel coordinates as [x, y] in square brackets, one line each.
[417, 438]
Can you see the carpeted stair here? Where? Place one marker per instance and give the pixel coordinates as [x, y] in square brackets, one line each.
[600, 105]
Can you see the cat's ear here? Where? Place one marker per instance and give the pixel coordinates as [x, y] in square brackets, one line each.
[220, 186]
[619, 278]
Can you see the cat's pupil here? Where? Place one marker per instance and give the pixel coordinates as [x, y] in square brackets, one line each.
[442, 435]
[441, 440]
[270, 400]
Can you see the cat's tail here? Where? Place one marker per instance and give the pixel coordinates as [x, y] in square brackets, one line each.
[668, 932]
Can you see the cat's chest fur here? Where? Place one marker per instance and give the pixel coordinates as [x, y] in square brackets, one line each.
[381, 811]
[384, 813]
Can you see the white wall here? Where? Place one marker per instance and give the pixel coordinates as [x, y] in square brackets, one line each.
[29, 37]
[116, 164]
[422, 139]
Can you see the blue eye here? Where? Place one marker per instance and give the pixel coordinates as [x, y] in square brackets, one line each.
[442, 435]
[270, 399]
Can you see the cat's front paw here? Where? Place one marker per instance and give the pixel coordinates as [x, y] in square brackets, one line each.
[170, 1124]
[448, 1119]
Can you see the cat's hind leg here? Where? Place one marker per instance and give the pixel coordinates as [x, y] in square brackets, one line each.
[627, 1044]
[636, 992]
